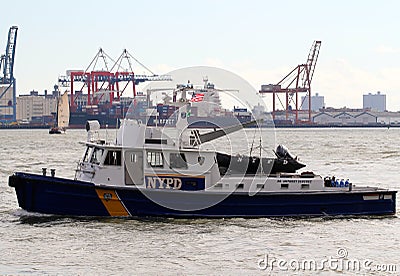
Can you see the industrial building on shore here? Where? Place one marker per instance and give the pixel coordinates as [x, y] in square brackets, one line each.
[37, 109]
[373, 113]
[317, 102]
[345, 118]
[375, 102]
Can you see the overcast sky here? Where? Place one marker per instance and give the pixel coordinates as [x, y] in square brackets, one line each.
[260, 41]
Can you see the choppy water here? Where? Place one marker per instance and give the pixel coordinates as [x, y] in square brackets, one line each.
[38, 244]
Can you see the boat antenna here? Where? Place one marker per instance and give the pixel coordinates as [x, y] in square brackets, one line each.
[261, 148]
[116, 130]
[106, 133]
[252, 143]
[205, 80]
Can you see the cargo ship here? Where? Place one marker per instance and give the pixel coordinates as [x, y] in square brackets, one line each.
[107, 117]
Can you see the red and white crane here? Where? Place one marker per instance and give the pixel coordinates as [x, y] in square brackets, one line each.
[109, 81]
[295, 82]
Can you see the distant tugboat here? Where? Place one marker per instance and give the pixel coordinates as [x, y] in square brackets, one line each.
[62, 115]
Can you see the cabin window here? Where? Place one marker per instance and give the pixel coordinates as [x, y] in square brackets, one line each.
[87, 154]
[96, 155]
[177, 160]
[218, 185]
[155, 159]
[113, 158]
[260, 186]
[305, 186]
[285, 186]
[240, 186]
[133, 158]
[155, 141]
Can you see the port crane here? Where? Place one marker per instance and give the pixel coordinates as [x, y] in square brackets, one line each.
[8, 98]
[112, 81]
[295, 82]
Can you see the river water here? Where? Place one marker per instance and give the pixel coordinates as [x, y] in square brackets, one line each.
[49, 245]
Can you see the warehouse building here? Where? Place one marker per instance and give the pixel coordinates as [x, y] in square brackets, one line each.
[345, 118]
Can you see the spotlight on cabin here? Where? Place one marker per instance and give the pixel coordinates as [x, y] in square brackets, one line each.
[92, 125]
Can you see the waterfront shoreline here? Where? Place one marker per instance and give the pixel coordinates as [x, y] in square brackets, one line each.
[276, 126]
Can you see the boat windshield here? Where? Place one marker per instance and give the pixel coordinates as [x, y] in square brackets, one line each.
[87, 154]
[97, 155]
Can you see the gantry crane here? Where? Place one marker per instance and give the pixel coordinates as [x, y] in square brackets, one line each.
[297, 81]
[110, 80]
[7, 80]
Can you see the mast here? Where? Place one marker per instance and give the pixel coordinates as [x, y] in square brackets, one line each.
[57, 113]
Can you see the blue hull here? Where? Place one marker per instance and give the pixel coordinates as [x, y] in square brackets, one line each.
[52, 195]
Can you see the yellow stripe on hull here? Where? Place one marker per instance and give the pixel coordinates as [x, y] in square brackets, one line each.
[112, 203]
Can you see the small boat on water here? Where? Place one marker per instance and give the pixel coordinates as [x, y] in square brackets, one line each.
[62, 115]
[145, 172]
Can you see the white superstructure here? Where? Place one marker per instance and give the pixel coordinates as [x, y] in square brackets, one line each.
[144, 157]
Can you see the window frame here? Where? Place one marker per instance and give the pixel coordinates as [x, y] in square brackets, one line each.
[180, 161]
[94, 156]
[155, 158]
[88, 154]
[113, 157]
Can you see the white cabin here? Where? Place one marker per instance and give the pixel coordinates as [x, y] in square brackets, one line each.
[143, 157]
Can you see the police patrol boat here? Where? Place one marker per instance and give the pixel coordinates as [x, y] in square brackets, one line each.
[146, 172]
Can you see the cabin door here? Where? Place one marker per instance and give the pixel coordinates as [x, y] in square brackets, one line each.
[134, 167]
